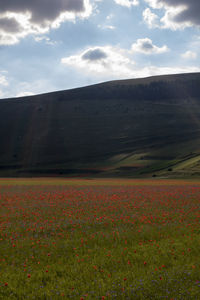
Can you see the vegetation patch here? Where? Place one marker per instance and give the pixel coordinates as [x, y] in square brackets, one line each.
[98, 239]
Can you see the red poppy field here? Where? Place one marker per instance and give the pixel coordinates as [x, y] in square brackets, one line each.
[99, 239]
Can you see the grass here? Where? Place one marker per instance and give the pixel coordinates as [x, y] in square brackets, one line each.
[99, 239]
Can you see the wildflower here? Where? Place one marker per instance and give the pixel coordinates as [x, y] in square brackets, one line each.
[145, 263]
[5, 283]
[163, 266]
[29, 275]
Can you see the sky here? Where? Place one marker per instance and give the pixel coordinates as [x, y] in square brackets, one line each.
[48, 45]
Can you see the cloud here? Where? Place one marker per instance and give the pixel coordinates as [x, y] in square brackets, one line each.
[154, 71]
[127, 3]
[43, 38]
[102, 62]
[3, 80]
[189, 55]
[94, 55]
[146, 46]
[106, 24]
[110, 27]
[20, 88]
[9, 25]
[24, 94]
[1, 94]
[178, 13]
[151, 19]
[110, 63]
[3, 83]
[43, 11]
[20, 18]
[109, 17]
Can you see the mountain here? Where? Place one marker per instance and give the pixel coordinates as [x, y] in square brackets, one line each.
[129, 128]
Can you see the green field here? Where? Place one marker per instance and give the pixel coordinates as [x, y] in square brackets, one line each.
[99, 239]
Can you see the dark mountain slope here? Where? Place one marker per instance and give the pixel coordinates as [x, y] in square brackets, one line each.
[126, 128]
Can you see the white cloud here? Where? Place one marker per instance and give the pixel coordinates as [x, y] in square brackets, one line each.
[108, 63]
[3, 80]
[24, 88]
[1, 94]
[24, 94]
[154, 70]
[107, 24]
[127, 3]
[45, 39]
[21, 18]
[189, 55]
[151, 19]
[102, 61]
[109, 17]
[178, 13]
[146, 46]
[110, 27]
[3, 83]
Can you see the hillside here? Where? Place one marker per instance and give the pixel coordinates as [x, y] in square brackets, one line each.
[132, 128]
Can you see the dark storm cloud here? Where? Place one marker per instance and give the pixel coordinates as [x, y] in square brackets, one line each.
[95, 54]
[19, 18]
[42, 10]
[191, 13]
[9, 25]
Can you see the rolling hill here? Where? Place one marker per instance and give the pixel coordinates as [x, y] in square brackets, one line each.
[128, 128]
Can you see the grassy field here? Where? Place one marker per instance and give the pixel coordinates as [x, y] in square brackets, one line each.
[99, 239]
